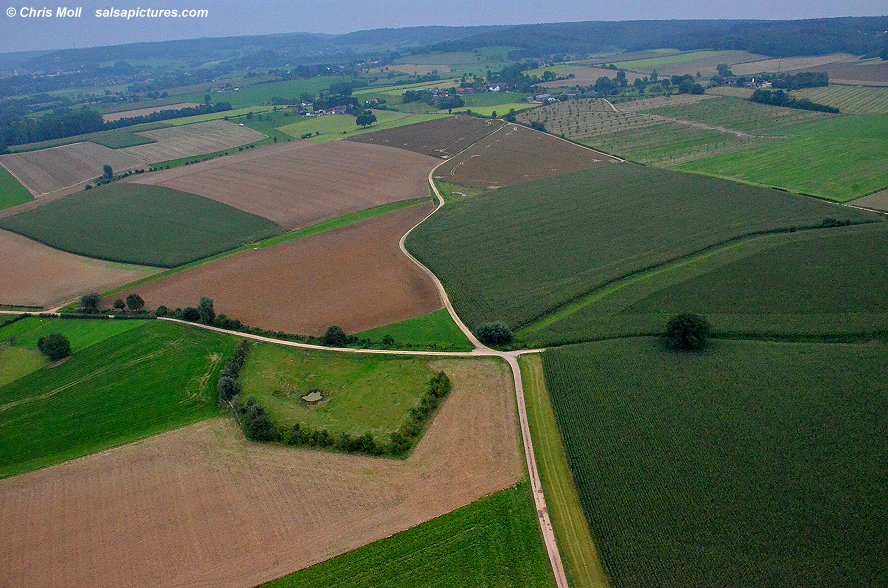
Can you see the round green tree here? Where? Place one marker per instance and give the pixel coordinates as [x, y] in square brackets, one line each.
[687, 331]
[55, 346]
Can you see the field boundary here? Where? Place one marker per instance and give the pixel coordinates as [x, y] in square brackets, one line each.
[572, 528]
[569, 307]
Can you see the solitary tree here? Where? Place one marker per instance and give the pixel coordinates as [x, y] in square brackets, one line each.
[54, 346]
[107, 173]
[497, 333]
[365, 119]
[687, 331]
[90, 302]
[335, 337]
[135, 303]
[206, 311]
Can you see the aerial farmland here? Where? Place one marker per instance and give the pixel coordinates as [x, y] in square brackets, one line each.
[593, 304]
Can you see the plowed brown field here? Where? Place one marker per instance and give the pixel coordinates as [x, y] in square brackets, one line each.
[439, 138]
[300, 184]
[516, 154]
[879, 201]
[355, 277]
[203, 507]
[32, 274]
[113, 116]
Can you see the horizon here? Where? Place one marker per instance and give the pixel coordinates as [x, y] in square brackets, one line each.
[231, 18]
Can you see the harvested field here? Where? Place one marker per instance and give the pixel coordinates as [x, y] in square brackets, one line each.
[300, 184]
[790, 63]
[439, 138]
[197, 139]
[68, 166]
[156, 510]
[39, 276]
[65, 169]
[355, 277]
[692, 62]
[113, 116]
[863, 74]
[515, 155]
[878, 201]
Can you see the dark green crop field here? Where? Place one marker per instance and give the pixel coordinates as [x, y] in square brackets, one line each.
[143, 381]
[519, 253]
[750, 464]
[492, 542]
[821, 282]
[147, 225]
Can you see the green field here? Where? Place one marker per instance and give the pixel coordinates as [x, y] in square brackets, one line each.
[225, 114]
[146, 225]
[494, 98]
[263, 93]
[849, 99]
[342, 126]
[840, 158]
[435, 331]
[362, 393]
[12, 192]
[742, 115]
[492, 542]
[808, 283]
[16, 362]
[500, 110]
[581, 559]
[520, 252]
[750, 464]
[151, 378]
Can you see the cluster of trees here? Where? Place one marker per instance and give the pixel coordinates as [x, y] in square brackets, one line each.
[204, 313]
[133, 303]
[258, 426]
[18, 126]
[781, 98]
[440, 99]
[228, 386]
[496, 333]
[805, 79]
[365, 118]
[91, 304]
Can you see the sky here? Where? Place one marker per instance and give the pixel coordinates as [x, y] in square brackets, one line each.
[238, 17]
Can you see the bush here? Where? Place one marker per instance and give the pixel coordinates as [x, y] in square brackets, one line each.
[256, 423]
[54, 346]
[497, 333]
[228, 388]
[161, 311]
[335, 337]
[90, 302]
[687, 331]
[190, 314]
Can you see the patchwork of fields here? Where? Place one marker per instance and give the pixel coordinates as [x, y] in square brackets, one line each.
[151, 514]
[569, 235]
[300, 184]
[740, 455]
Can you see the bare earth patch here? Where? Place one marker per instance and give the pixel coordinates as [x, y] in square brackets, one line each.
[355, 277]
[113, 116]
[515, 155]
[56, 168]
[40, 276]
[194, 139]
[202, 506]
[439, 138]
[586, 76]
[302, 183]
[878, 201]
